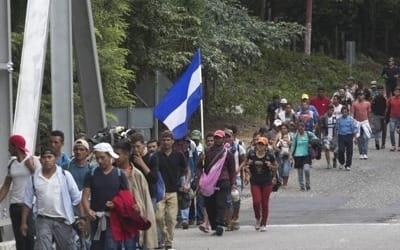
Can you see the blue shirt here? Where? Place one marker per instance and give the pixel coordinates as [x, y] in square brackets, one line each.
[69, 191]
[78, 172]
[345, 125]
[300, 143]
[64, 158]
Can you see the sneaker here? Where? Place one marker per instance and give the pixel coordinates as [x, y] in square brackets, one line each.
[219, 231]
[393, 148]
[334, 164]
[340, 166]
[235, 224]
[329, 166]
[185, 225]
[302, 189]
[257, 226]
[377, 146]
[365, 157]
[229, 228]
[308, 188]
[169, 248]
[263, 229]
[361, 157]
[383, 146]
[348, 168]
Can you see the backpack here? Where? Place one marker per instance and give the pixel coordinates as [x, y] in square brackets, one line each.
[314, 148]
[160, 187]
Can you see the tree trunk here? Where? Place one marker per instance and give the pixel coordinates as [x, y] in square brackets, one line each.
[307, 40]
[263, 10]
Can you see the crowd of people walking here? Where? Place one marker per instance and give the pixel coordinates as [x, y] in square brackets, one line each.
[134, 194]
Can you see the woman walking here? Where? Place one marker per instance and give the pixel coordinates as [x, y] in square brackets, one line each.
[283, 140]
[301, 155]
[261, 163]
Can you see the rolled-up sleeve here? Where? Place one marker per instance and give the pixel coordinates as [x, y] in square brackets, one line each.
[28, 196]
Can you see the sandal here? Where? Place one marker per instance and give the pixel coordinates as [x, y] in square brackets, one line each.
[204, 228]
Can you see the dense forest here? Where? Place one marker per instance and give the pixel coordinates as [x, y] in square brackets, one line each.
[246, 44]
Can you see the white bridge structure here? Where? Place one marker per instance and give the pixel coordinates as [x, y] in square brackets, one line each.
[70, 26]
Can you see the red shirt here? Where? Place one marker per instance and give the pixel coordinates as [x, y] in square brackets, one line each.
[321, 104]
[394, 106]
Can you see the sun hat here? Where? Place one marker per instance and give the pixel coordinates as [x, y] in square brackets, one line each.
[106, 148]
[304, 96]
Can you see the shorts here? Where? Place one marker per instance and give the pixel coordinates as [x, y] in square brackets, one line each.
[329, 145]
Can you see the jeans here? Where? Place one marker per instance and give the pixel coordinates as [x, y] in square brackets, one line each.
[345, 143]
[47, 228]
[196, 209]
[363, 143]
[184, 213]
[394, 124]
[284, 165]
[260, 195]
[304, 171]
[167, 210]
[22, 242]
[216, 204]
[128, 244]
[106, 241]
[379, 128]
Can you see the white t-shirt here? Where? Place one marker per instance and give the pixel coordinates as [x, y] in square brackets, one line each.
[331, 126]
[20, 174]
[337, 111]
[48, 193]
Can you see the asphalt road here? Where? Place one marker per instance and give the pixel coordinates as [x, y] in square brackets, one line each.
[359, 209]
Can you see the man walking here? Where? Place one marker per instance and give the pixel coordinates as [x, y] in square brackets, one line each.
[346, 130]
[361, 110]
[394, 115]
[79, 166]
[56, 195]
[56, 141]
[378, 107]
[390, 73]
[20, 169]
[101, 185]
[172, 166]
[216, 203]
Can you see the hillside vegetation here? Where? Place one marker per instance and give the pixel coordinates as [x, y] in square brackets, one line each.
[288, 74]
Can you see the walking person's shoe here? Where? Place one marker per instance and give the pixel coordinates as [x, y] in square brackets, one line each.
[377, 146]
[302, 189]
[185, 225]
[348, 168]
[398, 148]
[204, 228]
[263, 228]
[383, 146]
[308, 188]
[219, 231]
[235, 224]
[334, 163]
[257, 226]
[365, 157]
[361, 157]
[328, 166]
[341, 166]
[393, 148]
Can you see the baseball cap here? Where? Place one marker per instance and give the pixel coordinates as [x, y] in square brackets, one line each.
[105, 147]
[373, 83]
[262, 140]
[219, 133]
[195, 135]
[19, 142]
[283, 101]
[304, 96]
[81, 142]
[228, 132]
[277, 123]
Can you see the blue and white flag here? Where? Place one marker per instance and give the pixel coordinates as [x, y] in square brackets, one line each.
[178, 105]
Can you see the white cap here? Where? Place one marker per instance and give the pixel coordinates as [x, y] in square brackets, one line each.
[277, 123]
[105, 147]
[283, 101]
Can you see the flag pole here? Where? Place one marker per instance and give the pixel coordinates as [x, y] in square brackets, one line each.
[201, 105]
